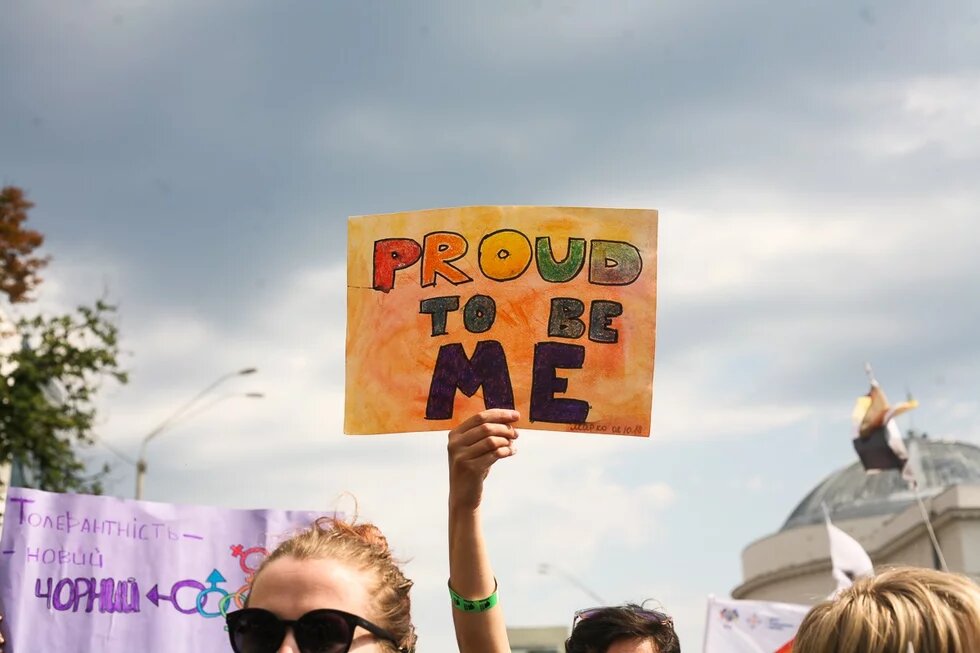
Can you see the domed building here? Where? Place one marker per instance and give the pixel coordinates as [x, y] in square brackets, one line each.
[880, 512]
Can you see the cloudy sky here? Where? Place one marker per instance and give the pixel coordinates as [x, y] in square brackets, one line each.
[816, 174]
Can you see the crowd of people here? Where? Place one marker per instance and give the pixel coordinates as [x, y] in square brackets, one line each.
[336, 588]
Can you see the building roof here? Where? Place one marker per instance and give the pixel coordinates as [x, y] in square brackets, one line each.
[850, 493]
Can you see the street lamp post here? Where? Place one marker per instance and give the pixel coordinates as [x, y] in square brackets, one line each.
[545, 568]
[182, 412]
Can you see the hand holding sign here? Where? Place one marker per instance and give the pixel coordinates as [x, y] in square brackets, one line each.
[474, 446]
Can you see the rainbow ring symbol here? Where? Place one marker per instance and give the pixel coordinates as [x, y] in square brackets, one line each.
[213, 579]
[238, 597]
[243, 554]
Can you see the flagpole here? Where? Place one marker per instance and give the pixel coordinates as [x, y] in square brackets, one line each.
[871, 374]
[928, 523]
[707, 622]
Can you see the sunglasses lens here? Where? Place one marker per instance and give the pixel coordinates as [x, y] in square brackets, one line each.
[256, 631]
[649, 615]
[323, 632]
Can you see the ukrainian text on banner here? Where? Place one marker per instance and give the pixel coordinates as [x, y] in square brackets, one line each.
[83, 573]
[545, 309]
[751, 626]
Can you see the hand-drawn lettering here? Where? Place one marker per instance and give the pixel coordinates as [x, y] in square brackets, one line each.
[487, 369]
[514, 310]
[121, 596]
[600, 318]
[61, 604]
[545, 407]
[133, 602]
[393, 254]
[614, 263]
[563, 320]
[439, 250]
[438, 308]
[46, 595]
[504, 255]
[20, 501]
[85, 591]
[479, 313]
[554, 271]
[68, 593]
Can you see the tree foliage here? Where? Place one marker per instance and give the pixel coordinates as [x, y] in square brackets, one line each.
[49, 381]
[18, 266]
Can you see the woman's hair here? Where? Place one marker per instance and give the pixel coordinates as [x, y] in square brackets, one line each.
[597, 632]
[934, 611]
[363, 546]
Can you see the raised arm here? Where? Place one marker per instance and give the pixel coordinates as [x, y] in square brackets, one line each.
[474, 446]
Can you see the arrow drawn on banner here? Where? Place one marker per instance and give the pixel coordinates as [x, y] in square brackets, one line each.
[155, 596]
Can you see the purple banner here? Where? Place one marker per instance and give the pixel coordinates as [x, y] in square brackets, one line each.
[85, 573]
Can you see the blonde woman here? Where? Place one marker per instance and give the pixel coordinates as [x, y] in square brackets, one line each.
[332, 588]
[900, 610]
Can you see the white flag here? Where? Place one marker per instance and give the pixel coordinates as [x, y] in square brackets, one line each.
[751, 626]
[849, 559]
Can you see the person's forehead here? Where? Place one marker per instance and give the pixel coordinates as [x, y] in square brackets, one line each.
[633, 645]
[290, 587]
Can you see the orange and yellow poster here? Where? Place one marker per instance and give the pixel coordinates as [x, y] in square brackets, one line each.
[548, 310]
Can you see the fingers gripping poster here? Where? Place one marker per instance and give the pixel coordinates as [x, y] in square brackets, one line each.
[88, 573]
[548, 310]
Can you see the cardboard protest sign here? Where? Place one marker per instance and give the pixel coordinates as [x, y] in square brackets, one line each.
[548, 310]
[84, 573]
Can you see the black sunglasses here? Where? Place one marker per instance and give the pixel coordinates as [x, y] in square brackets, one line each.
[254, 630]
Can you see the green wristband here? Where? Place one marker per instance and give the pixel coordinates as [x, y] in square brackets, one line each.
[476, 605]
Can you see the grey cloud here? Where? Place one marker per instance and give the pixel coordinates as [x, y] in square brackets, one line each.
[195, 154]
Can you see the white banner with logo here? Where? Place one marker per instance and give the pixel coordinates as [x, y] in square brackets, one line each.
[751, 626]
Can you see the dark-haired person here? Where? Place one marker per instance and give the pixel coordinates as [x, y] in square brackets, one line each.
[628, 628]
[474, 446]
